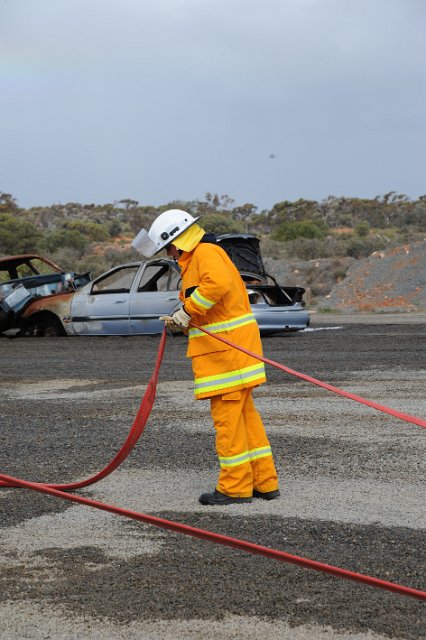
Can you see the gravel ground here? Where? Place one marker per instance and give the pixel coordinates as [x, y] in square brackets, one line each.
[352, 491]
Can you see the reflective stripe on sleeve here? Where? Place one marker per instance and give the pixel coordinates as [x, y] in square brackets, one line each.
[218, 327]
[246, 456]
[229, 379]
[201, 301]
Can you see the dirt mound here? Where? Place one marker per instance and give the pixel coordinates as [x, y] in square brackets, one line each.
[392, 280]
[318, 276]
[387, 281]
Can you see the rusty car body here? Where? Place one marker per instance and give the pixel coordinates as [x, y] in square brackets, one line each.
[25, 278]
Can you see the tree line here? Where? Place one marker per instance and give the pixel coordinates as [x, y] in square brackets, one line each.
[97, 236]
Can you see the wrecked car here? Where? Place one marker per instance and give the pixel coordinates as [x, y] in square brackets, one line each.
[26, 278]
[129, 299]
[276, 308]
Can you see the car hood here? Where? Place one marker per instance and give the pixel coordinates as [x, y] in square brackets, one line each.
[244, 251]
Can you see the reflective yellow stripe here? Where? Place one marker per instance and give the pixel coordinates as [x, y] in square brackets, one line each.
[246, 456]
[218, 327]
[263, 452]
[229, 379]
[201, 301]
[234, 461]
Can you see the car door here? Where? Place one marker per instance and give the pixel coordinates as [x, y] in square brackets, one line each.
[155, 293]
[102, 307]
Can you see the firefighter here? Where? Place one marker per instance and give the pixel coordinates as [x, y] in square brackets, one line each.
[214, 296]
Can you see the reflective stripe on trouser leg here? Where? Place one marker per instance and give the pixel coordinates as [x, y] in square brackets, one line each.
[243, 449]
[263, 468]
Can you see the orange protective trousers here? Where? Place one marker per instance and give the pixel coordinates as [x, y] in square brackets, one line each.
[242, 446]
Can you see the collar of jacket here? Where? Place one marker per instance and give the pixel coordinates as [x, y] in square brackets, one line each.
[185, 259]
[186, 256]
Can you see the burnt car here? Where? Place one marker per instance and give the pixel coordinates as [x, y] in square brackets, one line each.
[28, 277]
[129, 299]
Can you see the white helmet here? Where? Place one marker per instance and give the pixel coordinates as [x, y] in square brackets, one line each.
[168, 226]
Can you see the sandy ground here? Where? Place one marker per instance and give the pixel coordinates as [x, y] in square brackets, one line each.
[352, 483]
[333, 319]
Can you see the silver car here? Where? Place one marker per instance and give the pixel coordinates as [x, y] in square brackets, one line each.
[130, 298]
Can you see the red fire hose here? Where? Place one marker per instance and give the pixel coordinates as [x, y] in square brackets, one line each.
[149, 397]
[133, 436]
[221, 539]
[352, 396]
[58, 490]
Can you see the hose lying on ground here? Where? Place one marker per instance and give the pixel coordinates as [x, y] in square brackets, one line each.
[224, 540]
[133, 436]
[58, 490]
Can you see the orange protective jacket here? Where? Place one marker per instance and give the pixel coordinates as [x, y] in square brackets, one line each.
[215, 297]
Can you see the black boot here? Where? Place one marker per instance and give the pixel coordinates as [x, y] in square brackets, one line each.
[220, 498]
[266, 495]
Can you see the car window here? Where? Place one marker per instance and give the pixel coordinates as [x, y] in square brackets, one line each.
[159, 278]
[17, 268]
[41, 266]
[120, 280]
[26, 269]
[5, 275]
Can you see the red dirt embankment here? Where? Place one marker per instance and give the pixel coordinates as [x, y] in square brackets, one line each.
[392, 280]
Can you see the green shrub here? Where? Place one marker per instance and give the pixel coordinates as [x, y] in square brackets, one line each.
[94, 231]
[273, 248]
[221, 223]
[362, 229]
[65, 238]
[17, 235]
[311, 249]
[363, 247]
[292, 230]
[114, 228]
[67, 258]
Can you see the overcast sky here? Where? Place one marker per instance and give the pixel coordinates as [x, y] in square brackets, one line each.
[263, 100]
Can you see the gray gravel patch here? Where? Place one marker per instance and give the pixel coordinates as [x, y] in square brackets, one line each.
[21, 622]
[351, 477]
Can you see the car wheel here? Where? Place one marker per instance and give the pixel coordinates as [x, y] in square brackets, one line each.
[43, 328]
